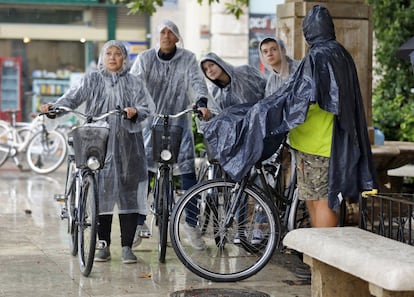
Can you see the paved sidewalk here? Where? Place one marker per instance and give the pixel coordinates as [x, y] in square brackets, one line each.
[35, 260]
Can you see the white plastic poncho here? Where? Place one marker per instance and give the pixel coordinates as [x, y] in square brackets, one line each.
[174, 86]
[288, 66]
[247, 84]
[123, 180]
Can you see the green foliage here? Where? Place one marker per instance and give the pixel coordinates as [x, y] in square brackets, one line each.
[149, 7]
[198, 139]
[392, 100]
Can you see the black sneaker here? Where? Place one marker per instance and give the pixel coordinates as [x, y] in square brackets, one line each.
[303, 271]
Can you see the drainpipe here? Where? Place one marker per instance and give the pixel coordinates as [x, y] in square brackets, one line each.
[111, 21]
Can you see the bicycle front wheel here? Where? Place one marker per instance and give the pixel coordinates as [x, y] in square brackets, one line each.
[5, 137]
[46, 151]
[241, 235]
[72, 191]
[87, 224]
[163, 192]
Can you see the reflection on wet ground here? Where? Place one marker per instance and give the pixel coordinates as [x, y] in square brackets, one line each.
[35, 260]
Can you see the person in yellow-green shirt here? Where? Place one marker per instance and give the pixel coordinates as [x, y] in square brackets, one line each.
[321, 107]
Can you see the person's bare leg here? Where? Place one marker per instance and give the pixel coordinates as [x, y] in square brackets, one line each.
[321, 215]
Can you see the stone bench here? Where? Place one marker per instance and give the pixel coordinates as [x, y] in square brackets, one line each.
[351, 262]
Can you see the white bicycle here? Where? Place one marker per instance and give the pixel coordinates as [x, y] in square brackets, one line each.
[45, 150]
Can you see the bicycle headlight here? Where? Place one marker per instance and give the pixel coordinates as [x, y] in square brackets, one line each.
[93, 163]
[166, 155]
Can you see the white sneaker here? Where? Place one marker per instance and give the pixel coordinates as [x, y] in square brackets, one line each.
[194, 238]
[141, 232]
[236, 239]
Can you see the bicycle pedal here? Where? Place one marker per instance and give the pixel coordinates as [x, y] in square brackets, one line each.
[145, 234]
[60, 198]
[101, 244]
[64, 214]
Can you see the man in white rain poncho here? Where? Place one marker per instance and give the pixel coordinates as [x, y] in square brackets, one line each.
[273, 55]
[175, 82]
[230, 84]
[123, 180]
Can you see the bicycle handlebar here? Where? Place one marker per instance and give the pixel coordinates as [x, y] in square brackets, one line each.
[177, 114]
[63, 109]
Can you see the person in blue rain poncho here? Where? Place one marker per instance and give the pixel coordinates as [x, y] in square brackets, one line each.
[273, 55]
[230, 85]
[325, 87]
[123, 180]
[175, 82]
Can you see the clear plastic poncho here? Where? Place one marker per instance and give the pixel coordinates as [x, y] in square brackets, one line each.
[123, 180]
[174, 85]
[327, 75]
[247, 84]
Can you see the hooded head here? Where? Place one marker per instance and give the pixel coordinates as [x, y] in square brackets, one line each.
[225, 67]
[172, 27]
[318, 26]
[101, 62]
[281, 55]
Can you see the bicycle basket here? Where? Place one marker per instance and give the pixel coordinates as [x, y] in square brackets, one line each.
[90, 141]
[160, 143]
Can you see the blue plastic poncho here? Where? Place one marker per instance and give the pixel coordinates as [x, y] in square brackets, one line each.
[123, 180]
[327, 75]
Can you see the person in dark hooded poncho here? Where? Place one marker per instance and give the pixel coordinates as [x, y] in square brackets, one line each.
[326, 85]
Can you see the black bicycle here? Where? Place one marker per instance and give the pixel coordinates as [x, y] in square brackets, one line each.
[166, 140]
[242, 222]
[80, 200]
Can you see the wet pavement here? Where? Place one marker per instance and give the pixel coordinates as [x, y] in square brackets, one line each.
[35, 259]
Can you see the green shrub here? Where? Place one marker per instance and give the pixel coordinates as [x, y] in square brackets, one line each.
[392, 99]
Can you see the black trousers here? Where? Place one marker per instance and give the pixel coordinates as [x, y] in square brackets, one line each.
[127, 223]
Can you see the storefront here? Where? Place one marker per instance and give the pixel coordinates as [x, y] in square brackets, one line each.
[56, 38]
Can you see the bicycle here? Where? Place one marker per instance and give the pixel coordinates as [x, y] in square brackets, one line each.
[80, 199]
[44, 150]
[247, 225]
[166, 140]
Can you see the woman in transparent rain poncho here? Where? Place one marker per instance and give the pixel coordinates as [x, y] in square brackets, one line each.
[175, 82]
[123, 180]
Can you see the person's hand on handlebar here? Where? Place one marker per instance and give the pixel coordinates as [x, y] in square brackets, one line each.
[204, 113]
[130, 112]
[45, 107]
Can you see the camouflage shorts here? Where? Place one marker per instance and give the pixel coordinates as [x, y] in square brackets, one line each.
[312, 176]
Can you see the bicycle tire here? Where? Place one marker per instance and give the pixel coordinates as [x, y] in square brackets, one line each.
[46, 151]
[87, 224]
[164, 190]
[223, 260]
[5, 136]
[72, 191]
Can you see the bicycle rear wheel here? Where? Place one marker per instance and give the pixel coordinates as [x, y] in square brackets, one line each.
[224, 259]
[5, 137]
[46, 151]
[163, 191]
[87, 224]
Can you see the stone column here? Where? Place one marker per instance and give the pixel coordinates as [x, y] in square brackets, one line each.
[353, 28]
